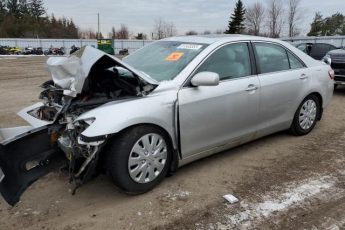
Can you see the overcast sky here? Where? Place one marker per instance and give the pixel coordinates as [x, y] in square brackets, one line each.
[198, 15]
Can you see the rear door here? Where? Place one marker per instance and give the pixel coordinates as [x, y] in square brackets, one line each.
[283, 78]
[212, 116]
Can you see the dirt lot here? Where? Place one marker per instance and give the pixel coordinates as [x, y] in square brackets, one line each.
[282, 181]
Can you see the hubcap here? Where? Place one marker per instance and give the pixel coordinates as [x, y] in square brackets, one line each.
[147, 158]
[307, 114]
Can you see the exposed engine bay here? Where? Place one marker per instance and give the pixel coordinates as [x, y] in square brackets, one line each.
[84, 81]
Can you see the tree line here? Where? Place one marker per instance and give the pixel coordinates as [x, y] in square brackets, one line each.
[28, 19]
[266, 19]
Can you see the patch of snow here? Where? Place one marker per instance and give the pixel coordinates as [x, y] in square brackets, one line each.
[177, 195]
[293, 195]
[296, 195]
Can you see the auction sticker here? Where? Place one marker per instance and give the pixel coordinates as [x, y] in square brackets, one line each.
[175, 56]
[189, 46]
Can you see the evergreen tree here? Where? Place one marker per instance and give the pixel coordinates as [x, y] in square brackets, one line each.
[333, 25]
[13, 8]
[23, 8]
[330, 26]
[316, 25]
[236, 22]
[3, 10]
[72, 29]
[37, 9]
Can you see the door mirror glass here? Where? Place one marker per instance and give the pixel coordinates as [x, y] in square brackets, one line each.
[205, 79]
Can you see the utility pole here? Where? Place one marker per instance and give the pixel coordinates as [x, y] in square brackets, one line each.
[98, 26]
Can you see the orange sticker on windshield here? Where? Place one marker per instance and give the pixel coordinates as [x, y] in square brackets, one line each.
[175, 56]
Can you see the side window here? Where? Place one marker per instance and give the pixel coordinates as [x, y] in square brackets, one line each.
[230, 61]
[271, 58]
[294, 62]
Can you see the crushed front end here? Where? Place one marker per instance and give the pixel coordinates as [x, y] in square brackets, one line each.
[80, 83]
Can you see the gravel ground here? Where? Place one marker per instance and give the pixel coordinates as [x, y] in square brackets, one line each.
[282, 181]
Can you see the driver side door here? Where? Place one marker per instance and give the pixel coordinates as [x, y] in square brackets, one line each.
[214, 116]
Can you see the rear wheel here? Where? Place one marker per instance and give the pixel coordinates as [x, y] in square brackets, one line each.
[306, 116]
[139, 159]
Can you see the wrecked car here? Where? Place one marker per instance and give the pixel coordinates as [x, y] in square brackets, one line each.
[168, 104]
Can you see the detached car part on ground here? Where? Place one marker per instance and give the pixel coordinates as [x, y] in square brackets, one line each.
[336, 59]
[168, 104]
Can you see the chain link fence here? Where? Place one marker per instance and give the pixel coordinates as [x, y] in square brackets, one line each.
[337, 41]
[131, 45]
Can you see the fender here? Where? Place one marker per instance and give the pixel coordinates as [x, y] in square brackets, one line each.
[113, 117]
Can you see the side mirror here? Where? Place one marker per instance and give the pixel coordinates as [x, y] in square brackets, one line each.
[327, 59]
[205, 79]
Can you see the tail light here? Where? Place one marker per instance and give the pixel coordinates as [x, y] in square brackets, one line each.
[331, 74]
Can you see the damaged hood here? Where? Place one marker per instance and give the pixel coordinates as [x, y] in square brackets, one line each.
[71, 72]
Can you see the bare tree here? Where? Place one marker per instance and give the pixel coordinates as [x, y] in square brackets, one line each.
[112, 33]
[255, 16]
[206, 32]
[170, 29]
[87, 34]
[123, 33]
[158, 28]
[275, 17]
[294, 16]
[163, 29]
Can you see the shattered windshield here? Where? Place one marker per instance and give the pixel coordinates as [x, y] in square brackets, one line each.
[165, 59]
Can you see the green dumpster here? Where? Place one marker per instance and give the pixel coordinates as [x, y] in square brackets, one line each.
[106, 45]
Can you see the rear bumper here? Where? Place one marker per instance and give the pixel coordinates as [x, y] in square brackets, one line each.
[339, 78]
[26, 154]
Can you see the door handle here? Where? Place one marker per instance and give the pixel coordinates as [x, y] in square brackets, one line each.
[303, 76]
[251, 88]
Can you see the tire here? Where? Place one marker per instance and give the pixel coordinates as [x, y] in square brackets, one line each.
[311, 115]
[121, 149]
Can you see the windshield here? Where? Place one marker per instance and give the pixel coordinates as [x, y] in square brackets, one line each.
[165, 59]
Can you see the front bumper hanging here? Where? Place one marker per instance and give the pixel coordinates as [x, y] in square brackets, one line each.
[26, 158]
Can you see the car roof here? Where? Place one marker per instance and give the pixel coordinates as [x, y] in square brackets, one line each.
[213, 38]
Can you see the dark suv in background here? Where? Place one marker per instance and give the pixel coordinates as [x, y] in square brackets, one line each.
[336, 58]
[316, 50]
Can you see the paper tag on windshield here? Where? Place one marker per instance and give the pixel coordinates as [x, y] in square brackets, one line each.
[189, 46]
[175, 56]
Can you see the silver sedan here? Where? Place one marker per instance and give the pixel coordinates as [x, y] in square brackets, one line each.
[170, 103]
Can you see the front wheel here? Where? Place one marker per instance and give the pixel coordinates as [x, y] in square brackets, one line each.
[139, 159]
[306, 116]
